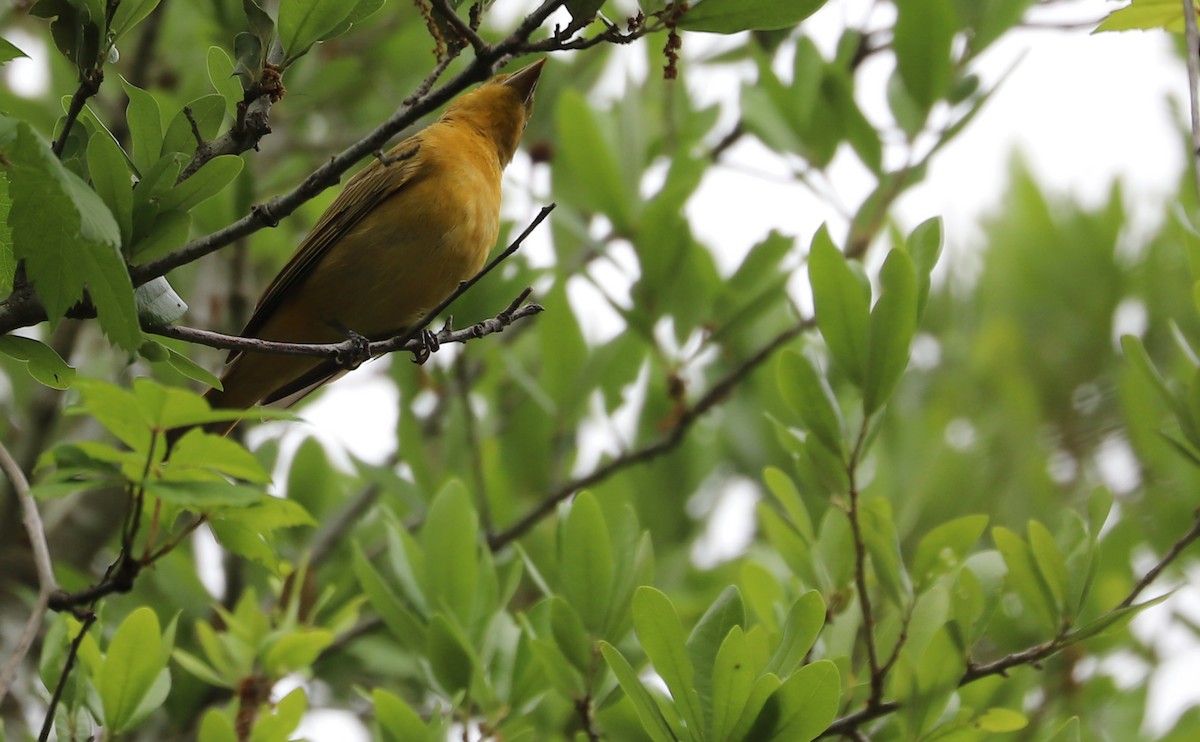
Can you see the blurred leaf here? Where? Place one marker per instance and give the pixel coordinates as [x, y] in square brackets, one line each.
[803, 625]
[842, 306]
[732, 16]
[892, 326]
[945, 547]
[9, 52]
[647, 710]
[586, 561]
[450, 543]
[803, 707]
[923, 37]
[303, 22]
[396, 718]
[732, 682]
[1141, 15]
[727, 613]
[809, 396]
[145, 126]
[131, 665]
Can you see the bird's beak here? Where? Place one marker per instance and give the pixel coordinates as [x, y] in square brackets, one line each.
[525, 80]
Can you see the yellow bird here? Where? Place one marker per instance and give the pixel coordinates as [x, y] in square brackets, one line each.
[400, 237]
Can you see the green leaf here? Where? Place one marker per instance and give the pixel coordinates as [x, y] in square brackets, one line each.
[129, 13]
[589, 162]
[67, 237]
[842, 305]
[923, 37]
[879, 533]
[220, 75]
[168, 232]
[804, 623]
[999, 720]
[296, 651]
[145, 126]
[9, 52]
[727, 613]
[1141, 15]
[946, 546]
[111, 180]
[661, 635]
[208, 111]
[131, 665]
[396, 718]
[363, 10]
[303, 22]
[764, 688]
[450, 542]
[647, 710]
[203, 184]
[732, 682]
[925, 247]
[448, 656]
[809, 396]
[803, 707]
[217, 727]
[201, 450]
[732, 16]
[205, 496]
[783, 489]
[1050, 562]
[586, 561]
[399, 620]
[1025, 579]
[41, 361]
[893, 324]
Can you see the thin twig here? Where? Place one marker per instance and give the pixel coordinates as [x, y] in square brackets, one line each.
[72, 654]
[331, 530]
[860, 569]
[673, 438]
[41, 559]
[1173, 553]
[461, 27]
[1192, 34]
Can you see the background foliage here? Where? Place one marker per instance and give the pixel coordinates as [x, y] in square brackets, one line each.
[936, 554]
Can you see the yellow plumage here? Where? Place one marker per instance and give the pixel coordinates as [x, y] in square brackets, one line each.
[401, 236]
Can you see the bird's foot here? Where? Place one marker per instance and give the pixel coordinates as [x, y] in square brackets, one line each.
[428, 344]
[354, 352]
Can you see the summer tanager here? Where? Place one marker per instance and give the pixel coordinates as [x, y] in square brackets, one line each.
[400, 237]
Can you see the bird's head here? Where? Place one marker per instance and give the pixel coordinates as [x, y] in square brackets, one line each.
[500, 108]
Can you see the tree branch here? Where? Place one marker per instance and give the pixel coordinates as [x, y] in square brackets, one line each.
[673, 438]
[1192, 34]
[41, 558]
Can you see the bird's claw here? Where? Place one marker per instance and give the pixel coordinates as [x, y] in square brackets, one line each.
[355, 352]
[428, 344]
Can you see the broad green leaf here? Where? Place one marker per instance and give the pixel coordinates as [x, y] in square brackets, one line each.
[661, 635]
[764, 688]
[203, 184]
[1050, 562]
[589, 162]
[1025, 578]
[892, 326]
[809, 396]
[999, 720]
[732, 682]
[363, 10]
[111, 180]
[1141, 15]
[804, 623]
[925, 247]
[216, 727]
[647, 710]
[131, 665]
[879, 534]
[923, 37]
[732, 16]
[398, 619]
[945, 546]
[67, 237]
[168, 232]
[803, 707]
[144, 119]
[279, 723]
[9, 52]
[129, 13]
[397, 720]
[296, 651]
[205, 496]
[201, 450]
[208, 111]
[727, 613]
[450, 542]
[41, 361]
[842, 305]
[1067, 732]
[303, 22]
[783, 489]
[448, 656]
[586, 561]
[220, 75]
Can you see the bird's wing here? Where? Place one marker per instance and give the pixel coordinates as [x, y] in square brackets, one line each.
[369, 188]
